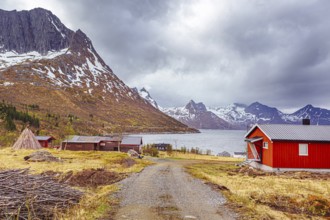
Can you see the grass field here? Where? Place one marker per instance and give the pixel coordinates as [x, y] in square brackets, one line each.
[97, 201]
[71, 161]
[252, 193]
[259, 195]
[191, 156]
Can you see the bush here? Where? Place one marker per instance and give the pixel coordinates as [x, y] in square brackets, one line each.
[150, 150]
[184, 150]
[169, 149]
[195, 150]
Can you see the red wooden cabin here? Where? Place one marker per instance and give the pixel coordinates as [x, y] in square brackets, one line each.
[131, 142]
[115, 143]
[45, 141]
[289, 147]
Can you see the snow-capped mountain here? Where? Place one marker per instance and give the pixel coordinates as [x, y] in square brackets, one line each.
[197, 116]
[44, 63]
[318, 116]
[241, 116]
[146, 95]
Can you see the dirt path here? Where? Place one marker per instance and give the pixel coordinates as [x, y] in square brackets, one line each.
[165, 191]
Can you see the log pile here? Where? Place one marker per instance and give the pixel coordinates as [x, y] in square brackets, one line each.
[25, 196]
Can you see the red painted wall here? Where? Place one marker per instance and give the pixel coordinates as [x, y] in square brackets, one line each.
[286, 155]
[126, 148]
[267, 154]
[43, 143]
[78, 146]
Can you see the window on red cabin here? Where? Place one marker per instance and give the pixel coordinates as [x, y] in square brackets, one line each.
[265, 145]
[303, 149]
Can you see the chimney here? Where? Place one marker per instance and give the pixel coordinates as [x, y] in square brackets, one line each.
[306, 121]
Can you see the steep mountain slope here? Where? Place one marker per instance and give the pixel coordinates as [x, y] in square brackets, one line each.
[45, 64]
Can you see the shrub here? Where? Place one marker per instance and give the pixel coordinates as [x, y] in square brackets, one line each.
[150, 150]
[184, 150]
[169, 149]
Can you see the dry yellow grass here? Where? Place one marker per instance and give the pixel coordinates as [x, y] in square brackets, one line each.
[257, 194]
[190, 156]
[71, 161]
[97, 202]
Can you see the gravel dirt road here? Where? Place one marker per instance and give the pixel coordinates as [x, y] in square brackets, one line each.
[165, 192]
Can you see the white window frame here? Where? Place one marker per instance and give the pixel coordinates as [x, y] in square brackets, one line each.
[265, 145]
[303, 149]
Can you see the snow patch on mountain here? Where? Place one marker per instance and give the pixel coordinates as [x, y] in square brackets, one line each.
[178, 113]
[11, 58]
[234, 113]
[7, 84]
[146, 96]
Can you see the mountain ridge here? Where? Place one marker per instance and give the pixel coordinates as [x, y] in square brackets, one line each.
[242, 116]
[60, 71]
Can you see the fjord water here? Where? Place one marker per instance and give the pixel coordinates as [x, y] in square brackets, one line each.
[215, 140]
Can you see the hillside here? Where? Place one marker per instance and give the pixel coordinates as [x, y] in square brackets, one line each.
[57, 70]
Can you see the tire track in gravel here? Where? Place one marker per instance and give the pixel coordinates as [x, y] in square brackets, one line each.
[165, 192]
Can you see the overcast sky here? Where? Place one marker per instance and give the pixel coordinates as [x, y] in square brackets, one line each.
[215, 51]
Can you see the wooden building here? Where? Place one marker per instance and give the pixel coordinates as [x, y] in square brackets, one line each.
[83, 143]
[277, 147]
[45, 141]
[112, 144]
[239, 154]
[162, 146]
[116, 143]
[131, 142]
[224, 154]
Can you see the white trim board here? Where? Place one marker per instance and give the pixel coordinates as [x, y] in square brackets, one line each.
[272, 169]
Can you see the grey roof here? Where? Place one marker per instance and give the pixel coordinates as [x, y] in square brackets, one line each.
[129, 140]
[239, 153]
[88, 139]
[294, 132]
[44, 138]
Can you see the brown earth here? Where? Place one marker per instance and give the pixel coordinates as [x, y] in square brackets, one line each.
[94, 178]
[87, 178]
[166, 191]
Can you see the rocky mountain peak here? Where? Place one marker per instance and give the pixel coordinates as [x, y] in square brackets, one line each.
[43, 63]
[144, 93]
[258, 107]
[309, 106]
[194, 107]
[35, 30]
[80, 42]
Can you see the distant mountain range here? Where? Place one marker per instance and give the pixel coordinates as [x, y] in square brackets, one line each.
[240, 116]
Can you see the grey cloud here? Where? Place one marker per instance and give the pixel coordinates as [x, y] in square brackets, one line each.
[275, 52]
